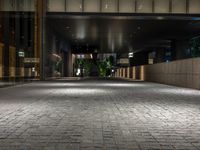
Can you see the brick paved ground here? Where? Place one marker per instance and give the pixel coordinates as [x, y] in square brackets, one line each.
[99, 115]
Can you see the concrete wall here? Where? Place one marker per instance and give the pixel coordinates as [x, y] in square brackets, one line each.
[184, 73]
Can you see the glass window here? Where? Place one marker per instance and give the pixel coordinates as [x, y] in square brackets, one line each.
[161, 6]
[91, 5]
[56, 5]
[29, 5]
[179, 6]
[109, 5]
[127, 6]
[74, 5]
[194, 6]
[8, 5]
[17, 5]
[144, 6]
[20, 5]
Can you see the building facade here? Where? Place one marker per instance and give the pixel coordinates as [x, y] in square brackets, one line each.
[23, 38]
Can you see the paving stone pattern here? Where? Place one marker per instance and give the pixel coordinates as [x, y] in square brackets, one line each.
[99, 115]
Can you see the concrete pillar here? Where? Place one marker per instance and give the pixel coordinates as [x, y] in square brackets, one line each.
[121, 72]
[1, 60]
[124, 73]
[6, 33]
[128, 72]
[140, 58]
[12, 61]
[160, 55]
[179, 49]
[134, 73]
[1, 27]
[39, 40]
[142, 73]
[17, 41]
[68, 64]
[1, 45]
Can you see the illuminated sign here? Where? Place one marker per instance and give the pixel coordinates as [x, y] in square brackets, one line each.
[123, 61]
[21, 54]
[130, 55]
[31, 60]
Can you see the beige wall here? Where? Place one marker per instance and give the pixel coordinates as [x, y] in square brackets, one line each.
[184, 73]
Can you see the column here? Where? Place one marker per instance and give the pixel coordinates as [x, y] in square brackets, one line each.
[1, 60]
[179, 49]
[17, 42]
[39, 40]
[160, 55]
[140, 58]
[12, 61]
[1, 45]
[6, 33]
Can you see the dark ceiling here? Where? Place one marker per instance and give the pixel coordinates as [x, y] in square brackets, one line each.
[121, 33]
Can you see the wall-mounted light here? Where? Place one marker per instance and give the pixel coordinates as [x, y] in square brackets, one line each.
[91, 56]
[21, 54]
[130, 55]
[33, 69]
[160, 18]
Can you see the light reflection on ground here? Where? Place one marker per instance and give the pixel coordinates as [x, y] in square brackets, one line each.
[106, 114]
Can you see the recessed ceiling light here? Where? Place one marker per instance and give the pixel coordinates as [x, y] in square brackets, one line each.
[138, 28]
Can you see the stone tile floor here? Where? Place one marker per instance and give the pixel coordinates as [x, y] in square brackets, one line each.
[99, 115]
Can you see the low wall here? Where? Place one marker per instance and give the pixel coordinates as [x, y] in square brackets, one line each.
[184, 73]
